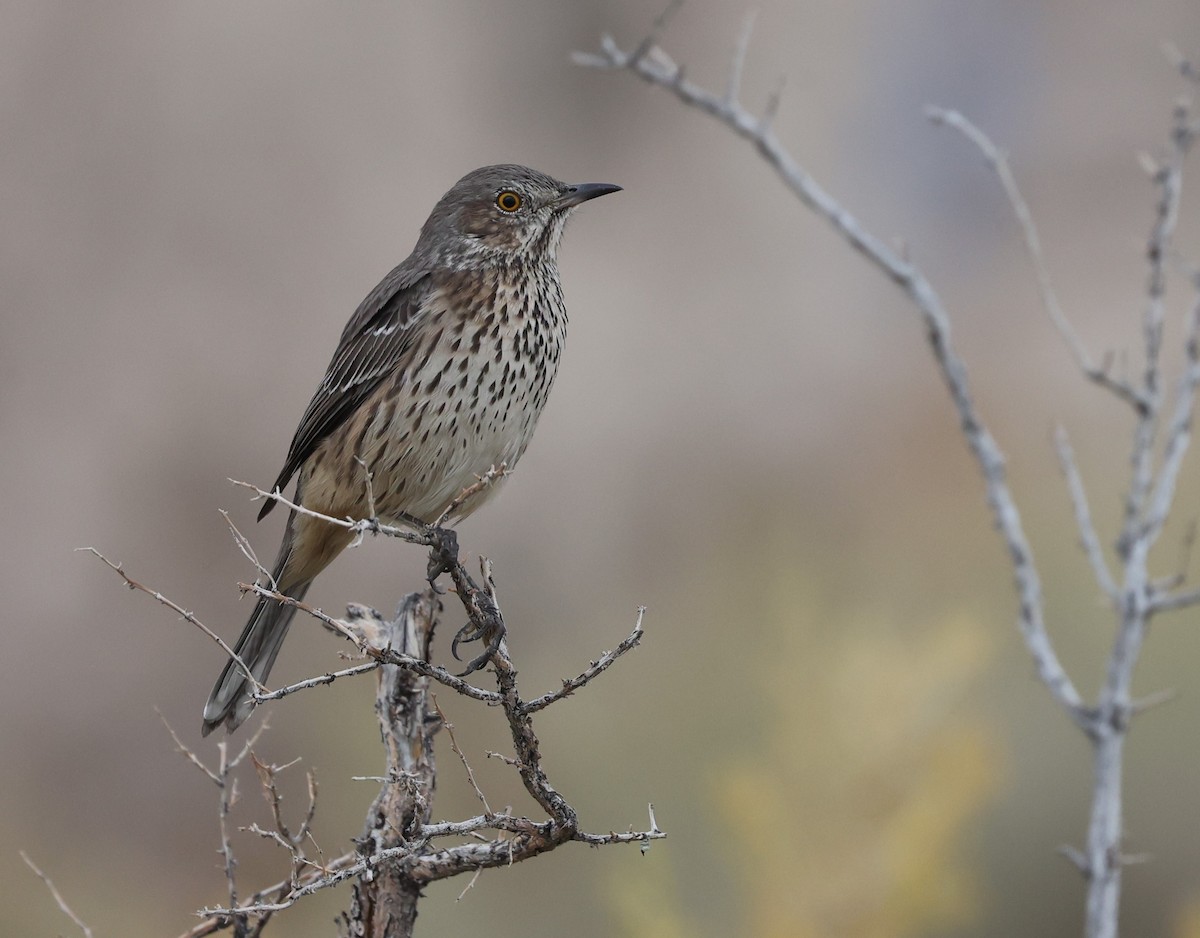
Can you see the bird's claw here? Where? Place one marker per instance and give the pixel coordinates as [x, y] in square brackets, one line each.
[472, 633]
[487, 623]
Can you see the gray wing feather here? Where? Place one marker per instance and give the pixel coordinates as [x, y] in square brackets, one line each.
[374, 343]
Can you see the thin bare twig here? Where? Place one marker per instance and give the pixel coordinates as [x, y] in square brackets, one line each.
[186, 752]
[1168, 177]
[660, 25]
[320, 680]
[1178, 434]
[282, 835]
[359, 527]
[1083, 516]
[1173, 602]
[771, 108]
[228, 788]
[598, 666]
[493, 475]
[334, 625]
[1033, 245]
[470, 884]
[737, 63]
[243, 544]
[624, 837]
[1151, 701]
[416, 534]
[186, 616]
[58, 898]
[449, 728]
[348, 629]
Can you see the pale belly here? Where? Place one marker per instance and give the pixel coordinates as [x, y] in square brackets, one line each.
[424, 445]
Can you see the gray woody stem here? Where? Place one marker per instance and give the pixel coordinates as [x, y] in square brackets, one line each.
[1136, 598]
[384, 905]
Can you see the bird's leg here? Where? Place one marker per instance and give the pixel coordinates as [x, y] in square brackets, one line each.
[443, 552]
[486, 621]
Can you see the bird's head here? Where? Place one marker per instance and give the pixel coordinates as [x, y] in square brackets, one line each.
[502, 215]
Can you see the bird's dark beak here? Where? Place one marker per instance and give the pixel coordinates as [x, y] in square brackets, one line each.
[574, 195]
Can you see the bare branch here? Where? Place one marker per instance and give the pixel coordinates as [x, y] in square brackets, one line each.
[470, 884]
[1083, 515]
[494, 474]
[1168, 177]
[187, 616]
[368, 525]
[416, 533]
[281, 834]
[243, 544]
[309, 815]
[59, 900]
[737, 63]
[364, 627]
[334, 625]
[228, 789]
[772, 106]
[1151, 701]
[656, 31]
[186, 752]
[345, 867]
[1033, 246]
[412, 857]
[320, 680]
[598, 666]
[628, 837]
[449, 727]
[1076, 858]
[1178, 434]
[441, 865]
[272, 835]
[441, 675]
[248, 746]
[1172, 602]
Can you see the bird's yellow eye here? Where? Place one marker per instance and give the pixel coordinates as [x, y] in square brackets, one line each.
[508, 201]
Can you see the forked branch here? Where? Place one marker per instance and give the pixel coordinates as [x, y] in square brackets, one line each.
[651, 64]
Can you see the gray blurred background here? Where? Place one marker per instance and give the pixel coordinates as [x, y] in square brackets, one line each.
[832, 711]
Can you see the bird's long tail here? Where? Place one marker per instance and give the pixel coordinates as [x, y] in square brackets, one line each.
[230, 701]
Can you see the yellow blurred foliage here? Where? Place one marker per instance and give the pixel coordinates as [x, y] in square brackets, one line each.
[847, 815]
[645, 903]
[1187, 922]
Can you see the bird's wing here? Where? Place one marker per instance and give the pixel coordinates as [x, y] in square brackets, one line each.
[374, 342]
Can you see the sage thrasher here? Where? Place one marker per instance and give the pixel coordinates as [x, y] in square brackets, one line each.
[439, 376]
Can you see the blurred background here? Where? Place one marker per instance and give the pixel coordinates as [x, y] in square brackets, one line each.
[831, 711]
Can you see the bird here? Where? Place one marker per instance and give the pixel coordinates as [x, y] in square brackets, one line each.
[438, 377]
